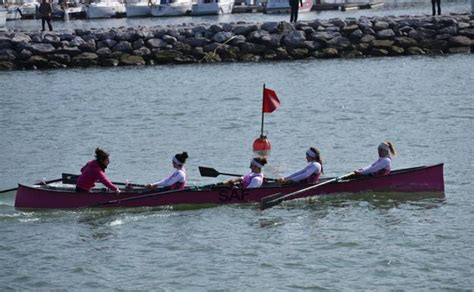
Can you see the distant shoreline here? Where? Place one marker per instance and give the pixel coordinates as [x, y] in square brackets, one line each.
[239, 42]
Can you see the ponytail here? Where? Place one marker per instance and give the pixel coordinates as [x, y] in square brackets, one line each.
[318, 157]
[391, 148]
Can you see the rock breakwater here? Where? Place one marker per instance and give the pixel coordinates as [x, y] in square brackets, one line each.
[238, 42]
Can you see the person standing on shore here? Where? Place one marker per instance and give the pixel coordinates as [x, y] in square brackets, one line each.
[294, 6]
[435, 3]
[45, 11]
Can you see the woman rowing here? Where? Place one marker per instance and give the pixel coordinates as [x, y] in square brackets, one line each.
[382, 165]
[93, 171]
[253, 179]
[309, 174]
[177, 180]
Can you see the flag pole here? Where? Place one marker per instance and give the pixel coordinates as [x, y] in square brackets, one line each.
[263, 98]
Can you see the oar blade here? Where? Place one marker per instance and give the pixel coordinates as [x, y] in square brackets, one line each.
[68, 178]
[207, 171]
[270, 203]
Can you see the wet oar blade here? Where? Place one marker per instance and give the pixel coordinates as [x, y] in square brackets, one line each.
[207, 171]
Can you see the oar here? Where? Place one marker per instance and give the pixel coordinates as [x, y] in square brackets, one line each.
[137, 198]
[275, 199]
[46, 182]
[211, 172]
[69, 178]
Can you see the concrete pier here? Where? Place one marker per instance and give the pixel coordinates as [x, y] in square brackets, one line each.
[239, 42]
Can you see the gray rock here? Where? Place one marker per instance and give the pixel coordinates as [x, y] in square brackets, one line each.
[143, 51]
[123, 46]
[383, 44]
[222, 36]
[85, 59]
[138, 44]
[60, 58]
[251, 48]
[88, 46]
[367, 38]
[459, 50]
[238, 40]
[244, 29]
[52, 39]
[356, 35]
[250, 58]
[109, 62]
[415, 51]
[24, 54]
[38, 62]
[271, 27]
[272, 40]
[77, 41]
[21, 38]
[107, 43]
[128, 36]
[169, 39]
[298, 53]
[405, 42]
[41, 49]
[6, 65]
[385, 34]
[256, 36]
[294, 39]
[460, 41]
[7, 55]
[129, 60]
[157, 43]
[71, 51]
[197, 42]
[339, 43]
[104, 53]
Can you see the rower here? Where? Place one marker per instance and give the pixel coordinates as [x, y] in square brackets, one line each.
[93, 171]
[177, 180]
[382, 165]
[253, 179]
[309, 174]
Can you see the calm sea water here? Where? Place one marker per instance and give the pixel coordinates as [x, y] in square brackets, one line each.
[51, 121]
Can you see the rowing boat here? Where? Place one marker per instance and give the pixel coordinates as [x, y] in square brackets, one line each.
[410, 180]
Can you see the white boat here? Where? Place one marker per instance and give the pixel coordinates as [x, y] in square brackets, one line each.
[29, 9]
[13, 12]
[3, 17]
[106, 9]
[75, 10]
[172, 8]
[138, 8]
[212, 7]
[283, 6]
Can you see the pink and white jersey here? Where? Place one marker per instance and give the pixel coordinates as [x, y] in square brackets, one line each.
[252, 180]
[309, 174]
[379, 167]
[177, 180]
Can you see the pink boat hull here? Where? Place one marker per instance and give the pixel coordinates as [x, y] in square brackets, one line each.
[414, 180]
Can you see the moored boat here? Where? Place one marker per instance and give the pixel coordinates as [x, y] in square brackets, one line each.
[212, 7]
[106, 9]
[172, 8]
[138, 8]
[283, 6]
[3, 17]
[411, 180]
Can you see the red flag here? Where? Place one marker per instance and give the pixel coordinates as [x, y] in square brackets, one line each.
[270, 101]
